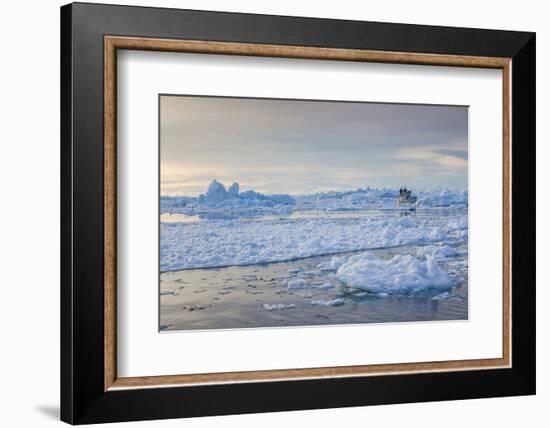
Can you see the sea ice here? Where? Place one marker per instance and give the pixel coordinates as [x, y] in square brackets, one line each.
[333, 264]
[442, 296]
[399, 275]
[308, 273]
[297, 283]
[218, 202]
[325, 286]
[240, 228]
[369, 198]
[215, 243]
[437, 251]
[278, 306]
[333, 302]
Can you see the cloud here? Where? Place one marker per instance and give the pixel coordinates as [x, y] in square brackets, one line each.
[460, 154]
[277, 146]
[451, 160]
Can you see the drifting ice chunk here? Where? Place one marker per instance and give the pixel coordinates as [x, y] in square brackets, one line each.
[438, 252]
[278, 306]
[296, 283]
[308, 273]
[333, 302]
[442, 296]
[333, 265]
[325, 286]
[398, 275]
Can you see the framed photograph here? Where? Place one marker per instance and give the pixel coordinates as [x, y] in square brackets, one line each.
[266, 213]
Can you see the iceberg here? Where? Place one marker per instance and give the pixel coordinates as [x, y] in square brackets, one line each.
[233, 190]
[216, 193]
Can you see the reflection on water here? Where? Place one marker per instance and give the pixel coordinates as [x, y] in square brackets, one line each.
[297, 215]
[257, 296]
[178, 218]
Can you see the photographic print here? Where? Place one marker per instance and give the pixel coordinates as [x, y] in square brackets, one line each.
[283, 212]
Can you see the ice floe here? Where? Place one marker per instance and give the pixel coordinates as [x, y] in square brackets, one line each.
[325, 286]
[437, 251]
[333, 302]
[400, 274]
[297, 283]
[239, 228]
[278, 306]
[333, 264]
[221, 203]
[223, 243]
[443, 296]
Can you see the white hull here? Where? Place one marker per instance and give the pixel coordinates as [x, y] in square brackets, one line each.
[410, 200]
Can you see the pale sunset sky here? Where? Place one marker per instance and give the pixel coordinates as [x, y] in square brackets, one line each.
[301, 147]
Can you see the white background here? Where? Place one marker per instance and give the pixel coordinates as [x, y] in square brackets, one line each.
[144, 352]
[29, 226]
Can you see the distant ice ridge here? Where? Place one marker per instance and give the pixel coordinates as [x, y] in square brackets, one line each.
[369, 198]
[238, 242]
[221, 203]
[399, 275]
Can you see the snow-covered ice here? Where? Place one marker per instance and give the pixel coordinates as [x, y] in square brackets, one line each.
[333, 264]
[442, 296]
[324, 258]
[241, 228]
[221, 203]
[398, 275]
[297, 283]
[437, 251]
[238, 242]
[332, 302]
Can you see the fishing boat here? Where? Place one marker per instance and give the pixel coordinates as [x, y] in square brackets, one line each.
[406, 197]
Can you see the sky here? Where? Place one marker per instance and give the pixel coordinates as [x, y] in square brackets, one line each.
[303, 147]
